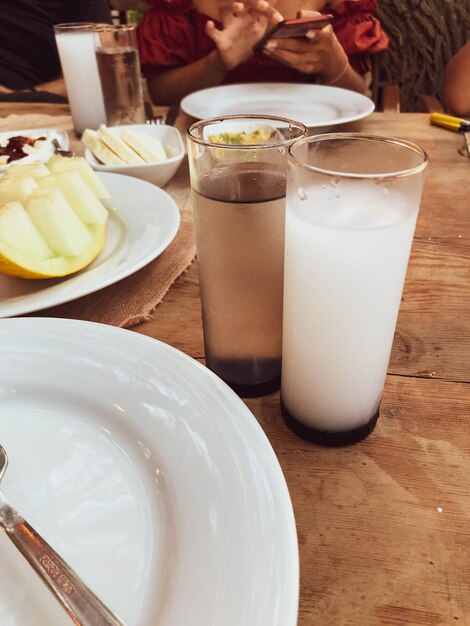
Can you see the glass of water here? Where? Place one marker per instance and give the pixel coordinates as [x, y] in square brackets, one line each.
[238, 179]
[352, 205]
[117, 58]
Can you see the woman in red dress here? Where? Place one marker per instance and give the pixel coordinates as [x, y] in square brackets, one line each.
[186, 45]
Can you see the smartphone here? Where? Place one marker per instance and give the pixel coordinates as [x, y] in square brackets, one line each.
[298, 27]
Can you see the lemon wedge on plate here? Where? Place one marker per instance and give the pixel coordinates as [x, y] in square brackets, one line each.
[56, 229]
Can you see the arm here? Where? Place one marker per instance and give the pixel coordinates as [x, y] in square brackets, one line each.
[53, 86]
[243, 24]
[318, 53]
[172, 85]
[350, 80]
[457, 82]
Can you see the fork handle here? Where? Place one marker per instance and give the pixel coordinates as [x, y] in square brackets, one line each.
[83, 606]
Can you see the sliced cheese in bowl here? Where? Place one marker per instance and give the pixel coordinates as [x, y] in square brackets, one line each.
[114, 142]
[149, 148]
[100, 149]
[124, 146]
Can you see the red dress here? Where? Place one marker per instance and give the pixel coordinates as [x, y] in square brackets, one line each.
[172, 34]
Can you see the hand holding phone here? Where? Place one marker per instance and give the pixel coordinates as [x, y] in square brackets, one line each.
[298, 27]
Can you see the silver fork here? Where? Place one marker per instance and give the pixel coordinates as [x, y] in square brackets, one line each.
[169, 119]
[83, 606]
[157, 119]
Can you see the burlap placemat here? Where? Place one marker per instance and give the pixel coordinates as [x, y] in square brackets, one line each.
[133, 299]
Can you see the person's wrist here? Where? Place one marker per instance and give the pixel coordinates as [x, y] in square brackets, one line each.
[336, 70]
[334, 79]
[216, 63]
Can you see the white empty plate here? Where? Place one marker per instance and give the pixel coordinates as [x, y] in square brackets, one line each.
[143, 221]
[316, 106]
[148, 474]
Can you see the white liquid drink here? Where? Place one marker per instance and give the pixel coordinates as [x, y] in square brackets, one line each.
[346, 254]
[78, 61]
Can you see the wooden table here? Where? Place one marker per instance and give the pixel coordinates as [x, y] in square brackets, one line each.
[384, 525]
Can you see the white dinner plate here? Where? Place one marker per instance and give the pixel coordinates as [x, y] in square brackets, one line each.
[47, 149]
[316, 106]
[148, 474]
[143, 221]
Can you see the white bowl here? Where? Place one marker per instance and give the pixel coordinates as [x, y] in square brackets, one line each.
[157, 173]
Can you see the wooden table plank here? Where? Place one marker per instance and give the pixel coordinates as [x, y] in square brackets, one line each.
[375, 547]
[432, 338]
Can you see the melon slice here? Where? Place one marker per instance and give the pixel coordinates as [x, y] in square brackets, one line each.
[58, 224]
[15, 263]
[78, 194]
[42, 234]
[16, 189]
[35, 170]
[58, 164]
[18, 231]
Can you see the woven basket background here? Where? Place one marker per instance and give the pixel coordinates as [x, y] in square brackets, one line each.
[424, 35]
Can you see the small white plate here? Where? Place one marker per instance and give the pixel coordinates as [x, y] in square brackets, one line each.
[316, 106]
[148, 474]
[142, 223]
[48, 149]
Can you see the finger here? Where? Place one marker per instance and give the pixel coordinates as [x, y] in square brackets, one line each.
[260, 5]
[262, 8]
[238, 7]
[210, 27]
[212, 31]
[228, 9]
[311, 34]
[291, 59]
[272, 16]
[308, 14]
[292, 44]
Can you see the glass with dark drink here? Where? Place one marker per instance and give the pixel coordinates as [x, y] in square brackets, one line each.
[238, 180]
[118, 64]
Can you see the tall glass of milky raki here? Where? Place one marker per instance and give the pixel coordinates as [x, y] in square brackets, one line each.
[76, 45]
[238, 180]
[352, 204]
